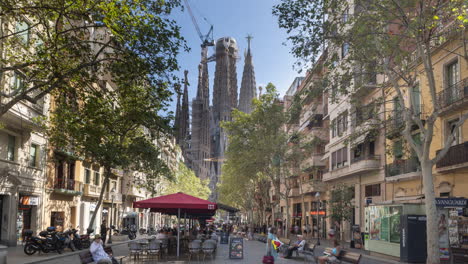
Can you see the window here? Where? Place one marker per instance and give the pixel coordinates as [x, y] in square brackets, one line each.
[114, 186]
[373, 190]
[345, 16]
[340, 158]
[342, 123]
[22, 30]
[416, 99]
[398, 149]
[344, 49]
[33, 155]
[87, 176]
[397, 111]
[17, 82]
[333, 128]
[359, 152]
[11, 148]
[372, 148]
[96, 178]
[452, 77]
[451, 125]
[452, 74]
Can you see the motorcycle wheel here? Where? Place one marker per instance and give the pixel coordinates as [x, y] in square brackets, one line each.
[85, 244]
[131, 236]
[59, 247]
[72, 246]
[29, 249]
[77, 244]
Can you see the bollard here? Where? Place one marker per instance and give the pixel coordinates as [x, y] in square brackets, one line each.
[3, 254]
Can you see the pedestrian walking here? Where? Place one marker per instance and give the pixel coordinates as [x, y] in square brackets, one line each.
[103, 232]
[308, 230]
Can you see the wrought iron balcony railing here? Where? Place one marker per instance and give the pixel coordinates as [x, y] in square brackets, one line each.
[400, 167]
[456, 155]
[453, 94]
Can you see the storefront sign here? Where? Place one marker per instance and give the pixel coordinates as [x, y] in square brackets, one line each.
[29, 200]
[319, 213]
[451, 202]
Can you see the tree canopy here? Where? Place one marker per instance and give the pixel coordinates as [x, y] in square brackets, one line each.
[55, 46]
[187, 182]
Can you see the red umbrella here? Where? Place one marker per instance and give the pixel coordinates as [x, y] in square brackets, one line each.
[177, 202]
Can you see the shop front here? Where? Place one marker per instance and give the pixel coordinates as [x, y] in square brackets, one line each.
[382, 226]
[27, 211]
[453, 229]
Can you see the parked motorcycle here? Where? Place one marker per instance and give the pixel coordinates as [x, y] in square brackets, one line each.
[76, 239]
[46, 242]
[86, 238]
[132, 232]
[65, 238]
[142, 231]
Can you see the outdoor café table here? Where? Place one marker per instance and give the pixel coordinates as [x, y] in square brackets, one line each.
[144, 245]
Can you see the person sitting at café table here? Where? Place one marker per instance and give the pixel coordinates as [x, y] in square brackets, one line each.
[97, 251]
[298, 245]
[161, 235]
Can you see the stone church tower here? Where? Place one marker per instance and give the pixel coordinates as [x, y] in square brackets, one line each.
[182, 123]
[248, 89]
[201, 138]
[224, 100]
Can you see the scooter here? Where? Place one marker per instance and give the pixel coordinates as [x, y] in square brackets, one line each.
[46, 242]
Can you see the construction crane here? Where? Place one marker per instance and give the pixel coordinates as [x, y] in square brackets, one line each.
[207, 40]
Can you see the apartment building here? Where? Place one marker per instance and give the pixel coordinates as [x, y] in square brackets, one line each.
[22, 146]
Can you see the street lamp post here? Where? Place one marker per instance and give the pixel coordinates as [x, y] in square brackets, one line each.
[111, 217]
[317, 195]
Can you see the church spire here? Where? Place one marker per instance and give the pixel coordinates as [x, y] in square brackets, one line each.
[184, 112]
[248, 86]
[177, 115]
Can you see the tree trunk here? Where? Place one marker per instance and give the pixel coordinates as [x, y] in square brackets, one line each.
[101, 197]
[287, 217]
[431, 214]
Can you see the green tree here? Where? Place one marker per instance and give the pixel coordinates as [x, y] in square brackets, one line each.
[256, 150]
[390, 39]
[341, 207]
[187, 182]
[53, 46]
[115, 129]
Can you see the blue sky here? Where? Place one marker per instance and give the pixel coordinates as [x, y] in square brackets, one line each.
[272, 60]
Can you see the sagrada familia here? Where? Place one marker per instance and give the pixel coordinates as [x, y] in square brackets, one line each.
[204, 142]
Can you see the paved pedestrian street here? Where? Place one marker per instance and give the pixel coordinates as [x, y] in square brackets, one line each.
[253, 253]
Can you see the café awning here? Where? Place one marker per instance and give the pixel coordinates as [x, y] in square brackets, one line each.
[177, 203]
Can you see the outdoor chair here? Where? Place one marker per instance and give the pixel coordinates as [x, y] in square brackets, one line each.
[165, 245]
[173, 243]
[194, 249]
[135, 250]
[208, 249]
[154, 248]
[212, 242]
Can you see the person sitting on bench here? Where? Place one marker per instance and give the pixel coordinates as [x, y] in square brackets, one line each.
[331, 256]
[298, 245]
[97, 251]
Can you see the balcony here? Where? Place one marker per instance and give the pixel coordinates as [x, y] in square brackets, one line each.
[454, 97]
[91, 190]
[114, 197]
[68, 187]
[315, 160]
[395, 125]
[358, 165]
[456, 158]
[403, 170]
[313, 186]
